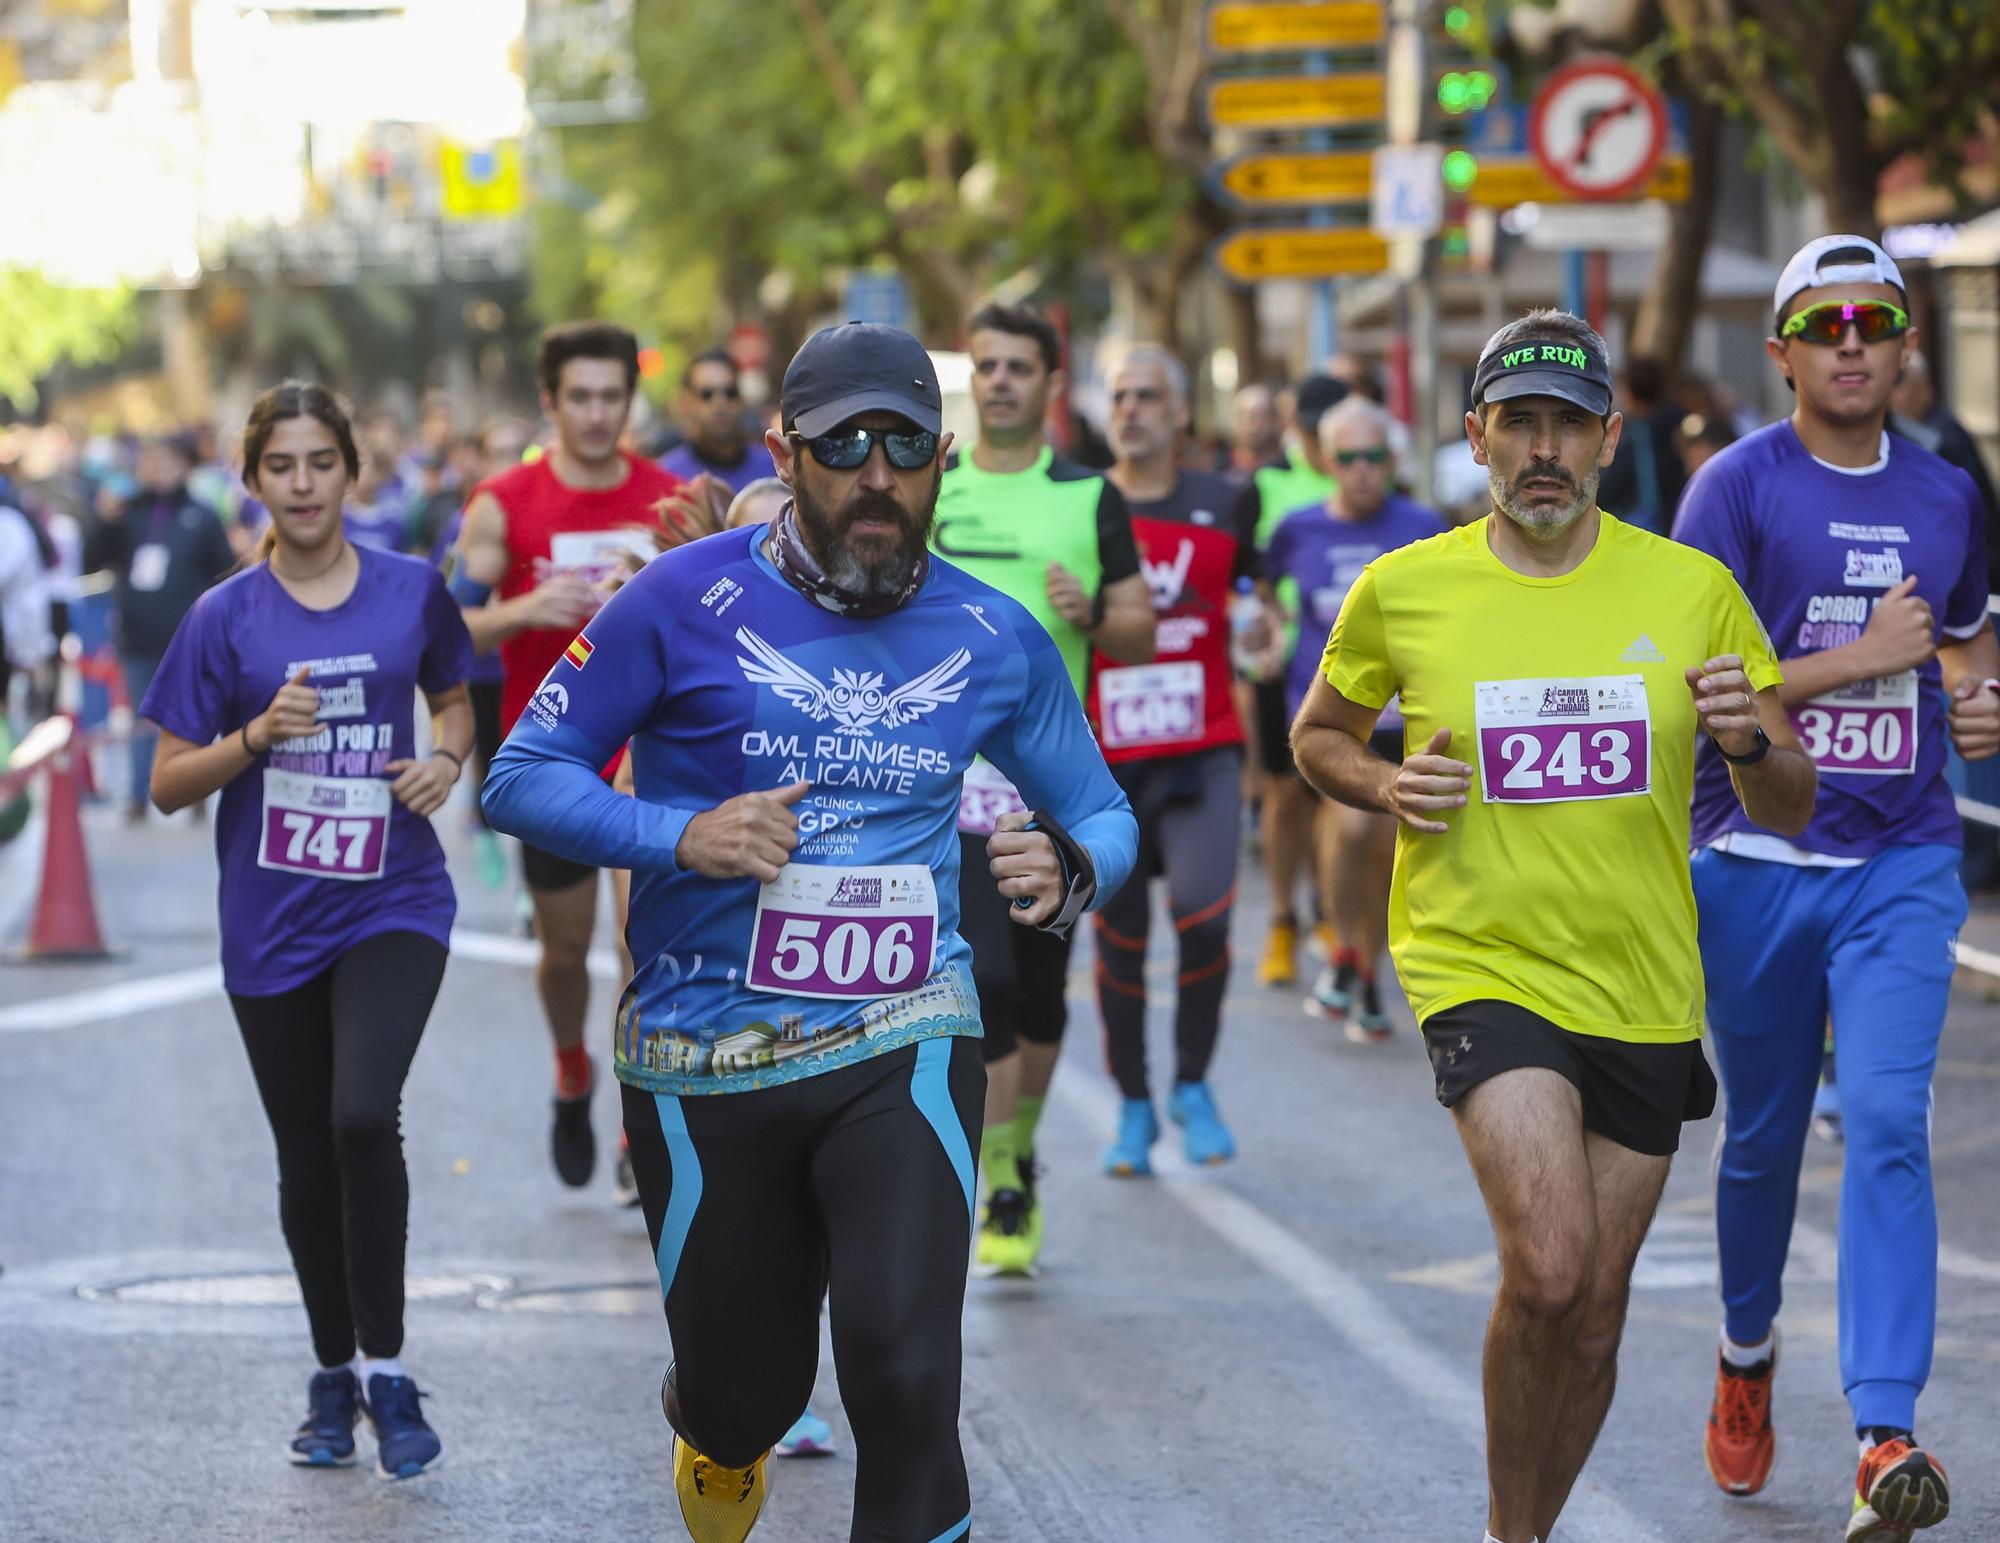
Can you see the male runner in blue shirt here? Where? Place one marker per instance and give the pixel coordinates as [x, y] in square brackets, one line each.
[799, 1045]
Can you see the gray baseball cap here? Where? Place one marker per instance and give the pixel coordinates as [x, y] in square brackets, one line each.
[1834, 260]
[1522, 360]
[859, 367]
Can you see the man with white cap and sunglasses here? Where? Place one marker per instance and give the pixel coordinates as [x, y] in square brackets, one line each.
[1865, 557]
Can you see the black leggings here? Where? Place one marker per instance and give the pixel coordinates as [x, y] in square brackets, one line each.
[1019, 973]
[1188, 808]
[860, 1180]
[330, 1058]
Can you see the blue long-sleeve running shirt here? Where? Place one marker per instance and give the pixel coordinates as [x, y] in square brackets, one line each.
[726, 679]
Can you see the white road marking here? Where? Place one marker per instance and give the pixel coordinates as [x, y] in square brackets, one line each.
[1353, 1311]
[127, 998]
[74, 1009]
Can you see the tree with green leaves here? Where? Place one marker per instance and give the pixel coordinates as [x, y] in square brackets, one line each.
[966, 146]
[1844, 88]
[43, 325]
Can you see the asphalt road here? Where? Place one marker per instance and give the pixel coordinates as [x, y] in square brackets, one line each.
[1286, 1348]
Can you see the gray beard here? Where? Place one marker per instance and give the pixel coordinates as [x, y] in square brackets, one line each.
[1543, 524]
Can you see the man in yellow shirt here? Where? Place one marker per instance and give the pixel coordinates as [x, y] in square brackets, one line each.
[1541, 918]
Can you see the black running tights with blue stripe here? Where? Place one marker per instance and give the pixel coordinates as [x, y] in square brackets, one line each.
[857, 1184]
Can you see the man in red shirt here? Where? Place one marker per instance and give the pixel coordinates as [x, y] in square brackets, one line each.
[549, 539]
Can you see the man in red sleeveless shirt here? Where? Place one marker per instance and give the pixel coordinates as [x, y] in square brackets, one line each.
[1172, 735]
[550, 539]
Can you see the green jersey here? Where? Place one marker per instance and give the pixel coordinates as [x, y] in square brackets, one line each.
[1006, 528]
[1283, 488]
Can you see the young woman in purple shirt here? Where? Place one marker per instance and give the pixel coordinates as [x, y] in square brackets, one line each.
[290, 689]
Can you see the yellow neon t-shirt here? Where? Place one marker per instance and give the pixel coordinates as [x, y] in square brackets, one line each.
[1562, 885]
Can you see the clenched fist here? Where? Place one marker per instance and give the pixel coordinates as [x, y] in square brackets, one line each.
[751, 836]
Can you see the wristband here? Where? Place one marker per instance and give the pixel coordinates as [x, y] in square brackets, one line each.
[1079, 875]
[450, 755]
[1762, 749]
[252, 749]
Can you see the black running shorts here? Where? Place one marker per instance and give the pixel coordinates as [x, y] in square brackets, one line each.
[1637, 1095]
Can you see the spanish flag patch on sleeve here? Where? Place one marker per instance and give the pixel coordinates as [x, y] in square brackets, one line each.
[578, 652]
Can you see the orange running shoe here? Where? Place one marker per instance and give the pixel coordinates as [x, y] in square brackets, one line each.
[1740, 1446]
[1899, 1488]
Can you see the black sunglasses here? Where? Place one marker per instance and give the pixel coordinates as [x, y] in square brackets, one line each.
[710, 393]
[1374, 456]
[844, 449]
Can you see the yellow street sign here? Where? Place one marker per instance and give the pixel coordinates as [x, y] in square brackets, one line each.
[1255, 253]
[1504, 181]
[1315, 177]
[1295, 101]
[480, 182]
[1331, 24]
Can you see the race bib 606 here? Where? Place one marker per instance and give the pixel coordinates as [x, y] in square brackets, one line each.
[1563, 739]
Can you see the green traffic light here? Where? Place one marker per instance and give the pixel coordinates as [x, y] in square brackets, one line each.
[1454, 92]
[1458, 21]
[1479, 87]
[1461, 170]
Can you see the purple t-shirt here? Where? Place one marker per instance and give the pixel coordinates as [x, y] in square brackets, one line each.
[1815, 549]
[1323, 556]
[315, 854]
[685, 462]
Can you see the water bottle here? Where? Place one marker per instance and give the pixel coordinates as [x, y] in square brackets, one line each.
[1246, 617]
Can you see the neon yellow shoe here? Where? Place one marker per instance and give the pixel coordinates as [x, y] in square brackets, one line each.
[1010, 1235]
[1281, 944]
[719, 1505]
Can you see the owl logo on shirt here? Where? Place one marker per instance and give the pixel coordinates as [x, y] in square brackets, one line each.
[856, 700]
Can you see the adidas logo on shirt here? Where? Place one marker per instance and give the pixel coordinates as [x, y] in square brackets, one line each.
[1643, 650]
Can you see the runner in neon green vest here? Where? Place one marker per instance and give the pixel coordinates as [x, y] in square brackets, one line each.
[1056, 537]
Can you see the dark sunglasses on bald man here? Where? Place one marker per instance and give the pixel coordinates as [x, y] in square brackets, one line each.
[847, 447]
[1375, 455]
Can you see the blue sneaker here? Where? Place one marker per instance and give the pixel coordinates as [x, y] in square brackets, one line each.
[1130, 1156]
[1332, 996]
[405, 1445]
[333, 1408]
[1204, 1138]
[810, 1436]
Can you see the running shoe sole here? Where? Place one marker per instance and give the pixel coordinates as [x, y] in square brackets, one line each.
[319, 1459]
[1911, 1497]
[1361, 1032]
[408, 1470]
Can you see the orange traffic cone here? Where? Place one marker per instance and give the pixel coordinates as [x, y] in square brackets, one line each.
[65, 924]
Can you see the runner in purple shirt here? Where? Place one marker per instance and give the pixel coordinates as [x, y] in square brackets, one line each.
[290, 689]
[1315, 554]
[1865, 557]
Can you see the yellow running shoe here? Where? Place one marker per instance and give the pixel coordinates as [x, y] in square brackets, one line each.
[719, 1505]
[1010, 1235]
[1281, 944]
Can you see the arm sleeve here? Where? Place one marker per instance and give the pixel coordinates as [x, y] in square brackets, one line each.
[1047, 752]
[1117, 548]
[195, 684]
[1965, 607]
[447, 659]
[544, 785]
[1356, 661]
[1243, 524]
[1738, 631]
